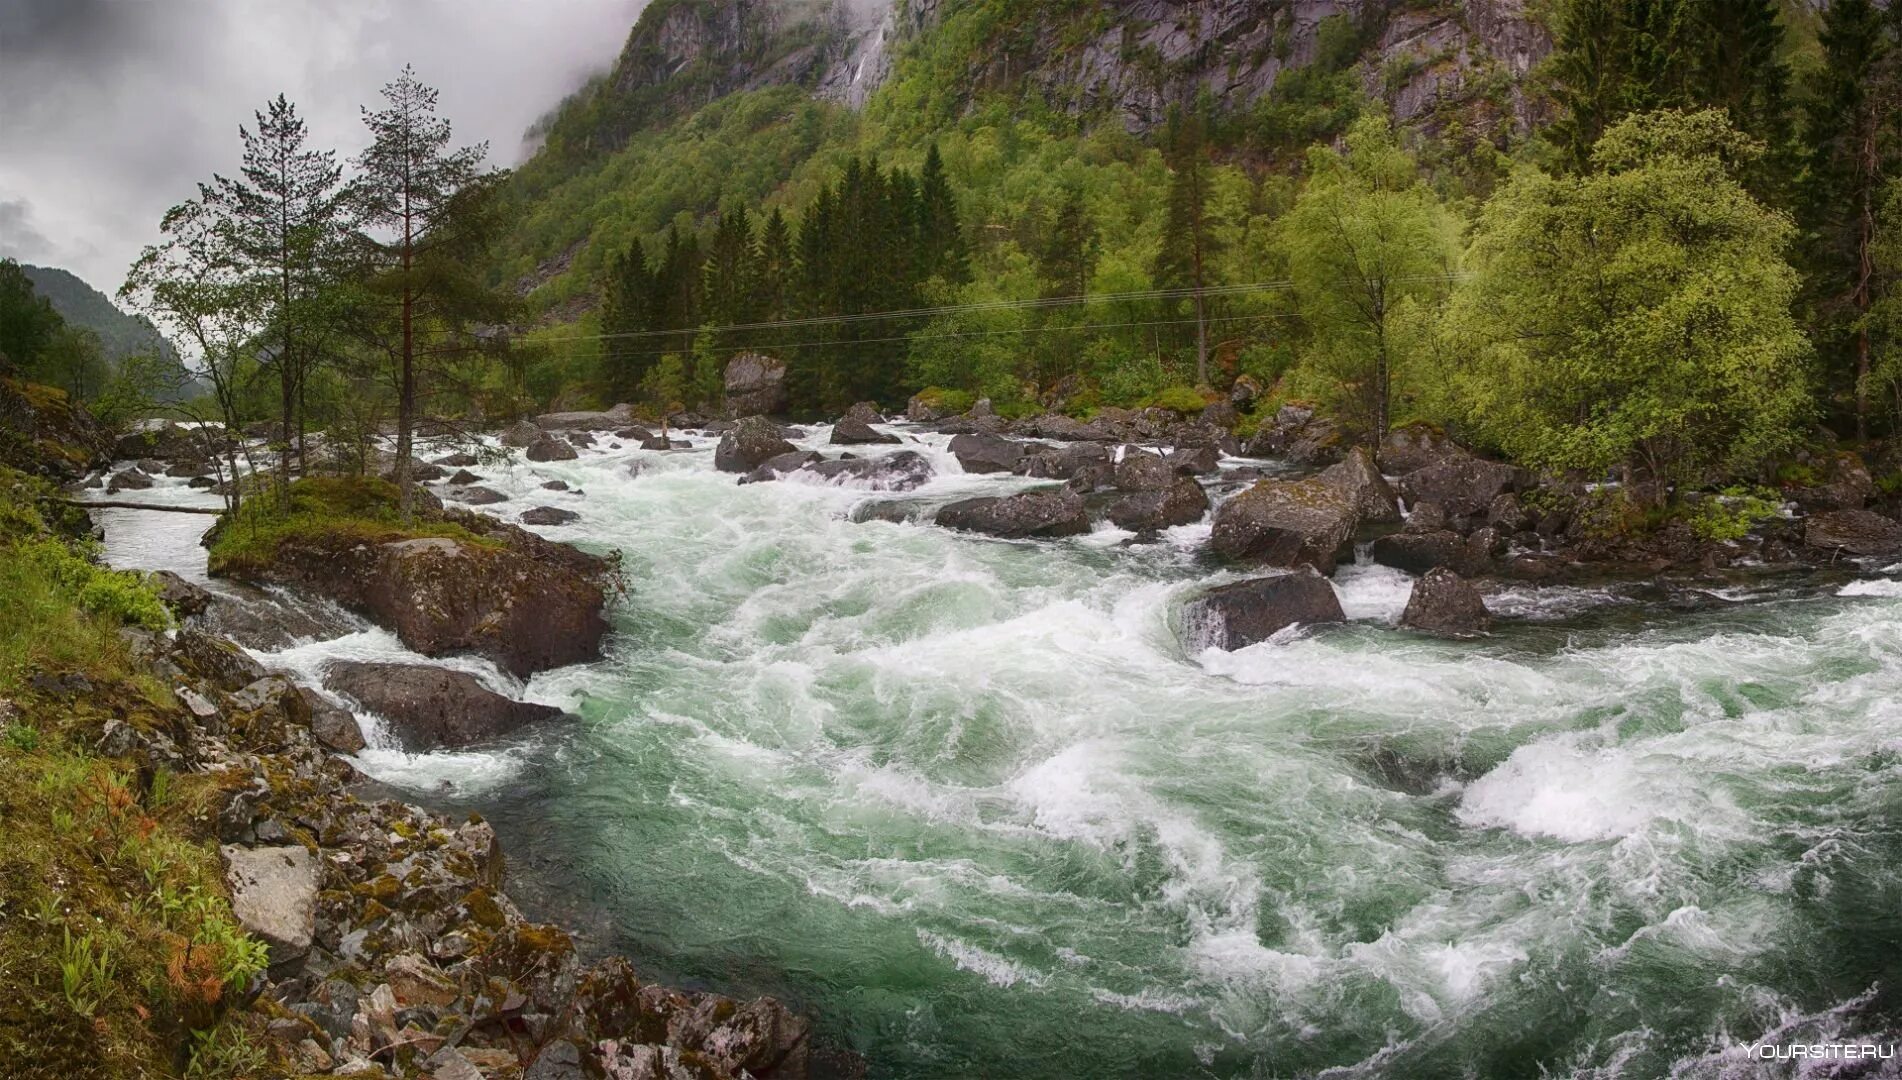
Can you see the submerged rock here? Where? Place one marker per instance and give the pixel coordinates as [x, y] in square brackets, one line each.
[1050, 513]
[903, 471]
[753, 442]
[780, 464]
[431, 707]
[1234, 616]
[1446, 604]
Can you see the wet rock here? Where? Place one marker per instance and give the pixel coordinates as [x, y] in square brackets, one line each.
[168, 442]
[1463, 486]
[274, 897]
[865, 412]
[548, 515]
[1416, 446]
[520, 435]
[1446, 604]
[548, 448]
[477, 495]
[1182, 503]
[1358, 481]
[430, 707]
[753, 441]
[218, 660]
[275, 695]
[984, 453]
[780, 464]
[333, 726]
[201, 482]
[1286, 523]
[1068, 462]
[1507, 515]
[1195, 460]
[903, 471]
[1857, 532]
[461, 459]
[463, 478]
[1844, 484]
[1417, 552]
[1235, 616]
[851, 431]
[586, 421]
[634, 434]
[555, 485]
[1221, 414]
[181, 596]
[1140, 470]
[187, 469]
[755, 385]
[1049, 513]
[132, 479]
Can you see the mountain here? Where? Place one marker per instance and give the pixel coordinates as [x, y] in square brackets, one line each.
[120, 335]
[758, 102]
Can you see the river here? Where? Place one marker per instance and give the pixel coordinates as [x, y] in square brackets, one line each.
[975, 805]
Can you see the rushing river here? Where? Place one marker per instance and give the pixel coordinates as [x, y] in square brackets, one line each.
[974, 804]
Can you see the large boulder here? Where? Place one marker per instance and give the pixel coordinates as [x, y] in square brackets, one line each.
[217, 659]
[1183, 502]
[332, 725]
[1857, 532]
[755, 386]
[477, 495]
[1358, 480]
[752, 442]
[1843, 483]
[1234, 616]
[1446, 604]
[1462, 486]
[1048, 513]
[548, 515]
[429, 708]
[852, 431]
[865, 412]
[130, 479]
[1141, 470]
[521, 434]
[1088, 460]
[548, 448]
[168, 442]
[274, 897]
[1286, 523]
[1415, 446]
[1418, 551]
[527, 604]
[181, 596]
[984, 453]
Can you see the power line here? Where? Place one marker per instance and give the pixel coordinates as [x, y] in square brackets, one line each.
[1040, 303]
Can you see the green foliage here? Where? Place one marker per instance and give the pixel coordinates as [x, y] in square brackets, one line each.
[1638, 316]
[315, 506]
[1370, 249]
[1731, 514]
[1186, 400]
[85, 972]
[944, 400]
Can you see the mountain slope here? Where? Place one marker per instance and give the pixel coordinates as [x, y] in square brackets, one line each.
[120, 335]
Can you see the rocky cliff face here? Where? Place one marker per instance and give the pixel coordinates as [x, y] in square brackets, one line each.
[1126, 60]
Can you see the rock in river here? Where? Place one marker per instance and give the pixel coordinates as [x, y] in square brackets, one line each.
[1183, 502]
[1049, 513]
[548, 515]
[1446, 604]
[1286, 523]
[1858, 532]
[980, 453]
[753, 442]
[1234, 616]
[431, 707]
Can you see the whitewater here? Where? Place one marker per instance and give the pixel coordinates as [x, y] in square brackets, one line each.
[984, 810]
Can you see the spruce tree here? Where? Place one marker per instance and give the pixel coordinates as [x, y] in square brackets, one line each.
[1188, 243]
[941, 244]
[285, 209]
[625, 306]
[429, 210]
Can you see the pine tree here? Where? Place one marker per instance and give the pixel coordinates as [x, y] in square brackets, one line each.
[727, 279]
[1067, 255]
[285, 208]
[941, 247]
[430, 211]
[773, 279]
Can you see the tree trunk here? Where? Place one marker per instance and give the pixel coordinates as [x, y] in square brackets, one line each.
[1865, 275]
[406, 394]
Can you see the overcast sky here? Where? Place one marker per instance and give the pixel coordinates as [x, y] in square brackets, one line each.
[112, 110]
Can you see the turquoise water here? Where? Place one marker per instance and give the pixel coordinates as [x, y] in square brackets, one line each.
[975, 805]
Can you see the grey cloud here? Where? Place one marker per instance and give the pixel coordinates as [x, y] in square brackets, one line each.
[18, 238]
[114, 109]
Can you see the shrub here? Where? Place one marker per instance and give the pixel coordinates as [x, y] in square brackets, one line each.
[1186, 400]
[1730, 514]
[947, 400]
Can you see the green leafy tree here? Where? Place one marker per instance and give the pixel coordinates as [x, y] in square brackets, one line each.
[1366, 244]
[1635, 318]
[429, 212]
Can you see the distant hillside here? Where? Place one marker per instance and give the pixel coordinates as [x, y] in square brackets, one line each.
[120, 335]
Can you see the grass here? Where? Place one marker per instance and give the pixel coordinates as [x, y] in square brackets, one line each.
[358, 508]
[118, 949]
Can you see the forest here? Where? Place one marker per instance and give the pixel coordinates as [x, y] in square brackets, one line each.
[1687, 265]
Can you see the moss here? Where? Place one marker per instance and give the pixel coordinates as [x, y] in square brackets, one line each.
[1185, 400]
[946, 400]
[347, 509]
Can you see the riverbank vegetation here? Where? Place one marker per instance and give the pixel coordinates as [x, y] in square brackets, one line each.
[117, 943]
